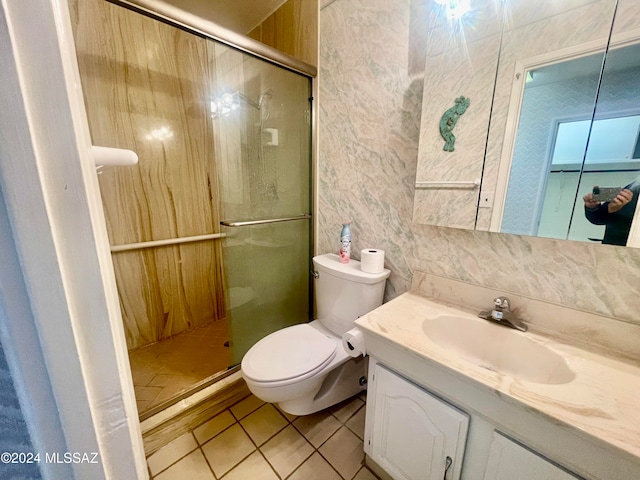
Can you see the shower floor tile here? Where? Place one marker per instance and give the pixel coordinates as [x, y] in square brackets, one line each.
[170, 367]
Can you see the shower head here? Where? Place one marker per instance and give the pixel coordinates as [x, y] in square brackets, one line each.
[224, 104]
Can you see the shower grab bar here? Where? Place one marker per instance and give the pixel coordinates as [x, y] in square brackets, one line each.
[170, 241]
[444, 184]
[262, 222]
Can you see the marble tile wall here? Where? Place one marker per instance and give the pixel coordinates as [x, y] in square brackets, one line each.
[627, 15]
[369, 122]
[473, 68]
[368, 143]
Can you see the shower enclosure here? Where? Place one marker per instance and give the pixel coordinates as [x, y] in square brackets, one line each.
[211, 231]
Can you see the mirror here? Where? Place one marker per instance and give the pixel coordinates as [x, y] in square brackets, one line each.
[524, 159]
[556, 127]
[462, 60]
[613, 153]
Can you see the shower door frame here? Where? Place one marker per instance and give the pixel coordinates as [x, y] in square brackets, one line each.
[188, 22]
[205, 28]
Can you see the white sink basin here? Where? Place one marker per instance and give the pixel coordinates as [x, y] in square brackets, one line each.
[498, 348]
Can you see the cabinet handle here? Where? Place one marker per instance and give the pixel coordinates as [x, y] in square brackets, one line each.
[447, 464]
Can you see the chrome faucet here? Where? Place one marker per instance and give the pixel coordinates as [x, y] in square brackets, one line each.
[501, 314]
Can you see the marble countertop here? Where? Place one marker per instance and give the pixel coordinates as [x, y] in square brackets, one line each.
[602, 400]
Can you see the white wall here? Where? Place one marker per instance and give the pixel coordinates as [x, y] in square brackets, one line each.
[66, 328]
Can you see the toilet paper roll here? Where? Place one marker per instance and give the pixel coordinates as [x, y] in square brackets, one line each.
[372, 260]
[353, 342]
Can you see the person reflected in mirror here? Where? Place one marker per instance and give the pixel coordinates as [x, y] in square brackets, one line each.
[615, 215]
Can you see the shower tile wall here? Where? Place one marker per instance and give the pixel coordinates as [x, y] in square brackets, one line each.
[292, 29]
[369, 122]
[146, 88]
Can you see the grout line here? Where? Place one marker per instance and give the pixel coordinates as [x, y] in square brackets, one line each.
[207, 460]
[267, 440]
[181, 458]
[236, 465]
[199, 445]
[217, 434]
[258, 448]
[301, 463]
[289, 423]
[273, 469]
[246, 414]
[326, 459]
[256, 445]
[351, 429]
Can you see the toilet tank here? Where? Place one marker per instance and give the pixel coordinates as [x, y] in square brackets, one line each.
[343, 292]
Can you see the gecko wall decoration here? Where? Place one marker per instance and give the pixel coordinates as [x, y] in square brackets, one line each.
[449, 120]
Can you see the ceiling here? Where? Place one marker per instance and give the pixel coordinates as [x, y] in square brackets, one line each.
[241, 16]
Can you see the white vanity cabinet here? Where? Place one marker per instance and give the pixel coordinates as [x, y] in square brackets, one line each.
[581, 426]
[409, 433]
[509, 460]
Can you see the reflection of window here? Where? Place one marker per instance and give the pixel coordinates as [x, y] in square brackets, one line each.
[570, 142]
[612, 140]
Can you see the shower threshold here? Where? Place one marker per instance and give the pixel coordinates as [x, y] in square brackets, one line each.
[207, 382]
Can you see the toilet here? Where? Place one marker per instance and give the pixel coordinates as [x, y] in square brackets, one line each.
[305, 368]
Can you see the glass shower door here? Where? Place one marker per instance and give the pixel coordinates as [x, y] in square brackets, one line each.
[262, 131]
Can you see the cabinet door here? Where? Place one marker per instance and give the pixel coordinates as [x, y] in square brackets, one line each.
[509, 460]
[414, 433]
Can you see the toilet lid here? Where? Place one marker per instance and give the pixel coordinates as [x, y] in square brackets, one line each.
[288, 353]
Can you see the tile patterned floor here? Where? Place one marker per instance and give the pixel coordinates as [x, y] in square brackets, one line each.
[164, 369]
[255, 440]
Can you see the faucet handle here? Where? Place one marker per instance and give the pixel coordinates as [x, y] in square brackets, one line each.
[501, 302]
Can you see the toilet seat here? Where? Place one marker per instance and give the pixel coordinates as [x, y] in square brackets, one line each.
[289, 355]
